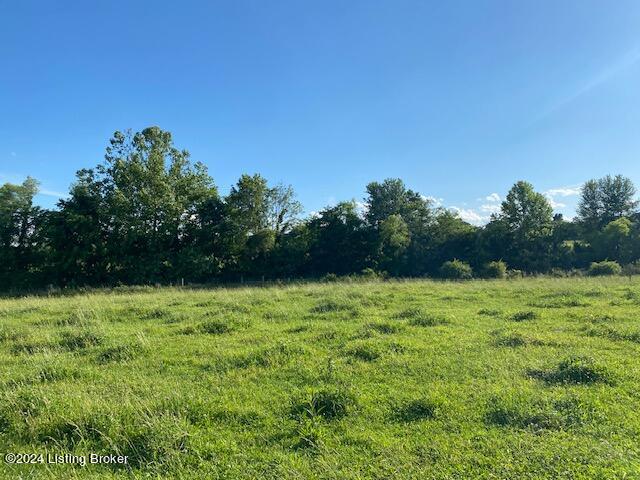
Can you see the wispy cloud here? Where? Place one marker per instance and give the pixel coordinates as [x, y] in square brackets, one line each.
[564, 191]
[52, 193]
[626, 61]
[494, 197]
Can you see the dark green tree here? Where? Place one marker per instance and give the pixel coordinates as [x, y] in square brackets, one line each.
[527, 220]
[20, 236]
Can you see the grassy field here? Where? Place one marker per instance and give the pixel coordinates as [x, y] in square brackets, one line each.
[522, 379]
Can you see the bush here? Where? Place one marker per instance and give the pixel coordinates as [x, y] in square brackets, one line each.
[606, 267]
[496, 269]
[370, 274]
[632, 268]
[456, 270]
[330, 278]
[514, 273]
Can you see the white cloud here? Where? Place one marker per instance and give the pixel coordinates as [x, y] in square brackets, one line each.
[435, 202]
[490, 208]
[563, 191]
[469, 215]
[555, 204]
[361, 207]
[494, 197]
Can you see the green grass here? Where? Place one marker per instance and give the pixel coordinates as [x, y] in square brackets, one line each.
[527, 379]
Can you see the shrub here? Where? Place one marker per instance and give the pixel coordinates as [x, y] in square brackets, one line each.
[370, 274]
[330, 278]
[456, 270]
[632, 268]
[513, 273]
[496, 269]
[606, 267]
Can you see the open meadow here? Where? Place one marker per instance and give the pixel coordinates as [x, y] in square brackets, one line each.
[532, 378]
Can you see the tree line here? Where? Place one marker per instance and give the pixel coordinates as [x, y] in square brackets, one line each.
[148, 214]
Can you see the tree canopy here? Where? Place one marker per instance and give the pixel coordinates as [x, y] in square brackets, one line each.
[149, 214]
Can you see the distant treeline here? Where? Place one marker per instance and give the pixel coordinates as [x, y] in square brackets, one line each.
[147, 214]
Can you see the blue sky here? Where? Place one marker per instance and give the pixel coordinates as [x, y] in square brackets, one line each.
[460, 99]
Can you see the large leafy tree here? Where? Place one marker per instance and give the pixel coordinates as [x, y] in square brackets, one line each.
[605, 200]
[79, 233]
[256, 216]
[338, 241]
[134, 213]
[528, 223]
[20, 229]
[389, 205]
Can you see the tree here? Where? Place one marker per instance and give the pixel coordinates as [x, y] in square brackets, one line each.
[79, 234]
[448, 237]
[615, 239]
[134, 213]
[590, 204]
[605, 200]
[283, 209]
[245, 231]
[20, 222]
[392, 198]
[526, 215]
[338, 241]
[394, 239]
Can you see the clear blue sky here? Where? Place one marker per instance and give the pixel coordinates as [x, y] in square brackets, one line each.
[460, 99]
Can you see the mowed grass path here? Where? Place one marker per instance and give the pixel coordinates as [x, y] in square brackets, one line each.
[536, 378]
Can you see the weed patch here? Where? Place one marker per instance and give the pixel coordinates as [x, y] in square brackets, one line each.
[120, 353]
[523, 412]
[72, 341]
[332, 306]
[385, 328]
[420, 409]
[330, 404]
[515, 339]
[367, 352]
[576, 370]
[524, 316]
